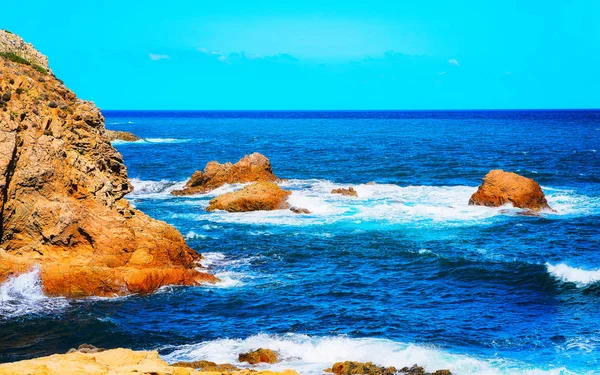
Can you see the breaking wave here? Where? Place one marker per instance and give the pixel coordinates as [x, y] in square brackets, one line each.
[577, 276]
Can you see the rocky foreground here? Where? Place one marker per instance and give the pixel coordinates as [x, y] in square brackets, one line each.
[62, 188]
[129, 362]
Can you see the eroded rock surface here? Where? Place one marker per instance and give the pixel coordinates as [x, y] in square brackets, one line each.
[62, 188]
[500, 187]
[114, 135]
[12, 43]
[368, 368]
[259, 356]
[343, 191]
[251, 168]
[261, 196]
[113, 362]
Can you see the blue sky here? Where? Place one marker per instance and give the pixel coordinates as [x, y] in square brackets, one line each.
[319, 54]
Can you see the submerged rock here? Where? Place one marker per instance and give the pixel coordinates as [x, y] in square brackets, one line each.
[62, 188]
[299, 210]
[499, 188]
[368, 368]
[348, 192]
[251, 168]
[114, 362]
[114, 135]
[261, 196]
[259, 356]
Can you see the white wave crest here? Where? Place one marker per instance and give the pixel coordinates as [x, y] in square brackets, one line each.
[579, 277]
[23, 294]
[153, 189]
[311, 355]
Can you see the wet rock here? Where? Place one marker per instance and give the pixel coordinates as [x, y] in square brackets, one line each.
[259, 356]
[114, 135]
[299, 210]
[348, 192]
[499, 188]
[251, 168]
[86, 348]
[63, 208]
[368, 368]
[261, 196]
[207, 366]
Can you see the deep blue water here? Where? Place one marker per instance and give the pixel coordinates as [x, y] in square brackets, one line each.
[407, 273]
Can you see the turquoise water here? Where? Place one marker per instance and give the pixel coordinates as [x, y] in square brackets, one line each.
[407, 273]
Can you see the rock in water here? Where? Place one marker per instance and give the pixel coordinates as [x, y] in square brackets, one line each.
[114, 135]
[348, 192]
[499, 188]
[368, 368]
[299, 210]
[62, 188]
[251, 168]
[259, 356]
[261, 196]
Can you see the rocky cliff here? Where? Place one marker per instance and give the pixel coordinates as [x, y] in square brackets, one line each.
[62, 188]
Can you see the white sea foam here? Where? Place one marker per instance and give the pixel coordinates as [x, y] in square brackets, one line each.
[232, 273]
[150, 141]
[568, 274]
[154, 189]
[22, 295]
[311, 355]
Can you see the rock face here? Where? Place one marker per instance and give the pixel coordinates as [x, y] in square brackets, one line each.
[114, 362]
[251, 168]
[12, 44]
[207, 366]
[114, 135]
[499, 188]
[261, 196]
[62, 188]
[259, 356]
[368, 368]
[348, 192]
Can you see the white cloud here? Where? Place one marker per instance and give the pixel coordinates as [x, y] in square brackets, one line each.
[453, 62]
[155, 57]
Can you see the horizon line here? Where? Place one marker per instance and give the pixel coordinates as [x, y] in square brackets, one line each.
[359, 110]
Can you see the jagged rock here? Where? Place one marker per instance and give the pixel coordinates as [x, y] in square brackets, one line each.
[251, 168]
[62, 205]
[259, 356]
[261, 196]
[368, 368]
[113, 362]
[348, 192]
[207, 366]
[114, 135]
[12, 43]
[499, 188]
[299, 210]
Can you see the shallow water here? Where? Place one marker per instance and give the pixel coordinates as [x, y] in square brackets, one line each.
[407, 273]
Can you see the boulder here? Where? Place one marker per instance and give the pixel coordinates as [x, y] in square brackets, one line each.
[251, 168]
[114, 135]
[115, 362]
[348, 192]
[260, 196]
[499, 188]
[299, 210]
[259, 356]
[62, 199]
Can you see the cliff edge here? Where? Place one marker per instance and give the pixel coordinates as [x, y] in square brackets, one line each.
[62, 188]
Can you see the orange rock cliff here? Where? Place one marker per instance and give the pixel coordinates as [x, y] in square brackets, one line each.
[62, 188]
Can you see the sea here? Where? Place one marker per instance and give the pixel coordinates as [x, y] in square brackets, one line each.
[406, 273]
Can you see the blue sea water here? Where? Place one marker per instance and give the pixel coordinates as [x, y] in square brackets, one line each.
[405, 273]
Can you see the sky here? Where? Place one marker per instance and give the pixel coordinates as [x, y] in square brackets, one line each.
[332, 55]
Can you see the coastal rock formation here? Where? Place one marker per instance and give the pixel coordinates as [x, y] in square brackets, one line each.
[251, 168]
[259, 356]
[62, 188]
[348, 192]
[299, 210]
[114, 135]
[208, 366]
[113, 362]
[13, 47]
[368, 368]
[261, 196]
[499, 188]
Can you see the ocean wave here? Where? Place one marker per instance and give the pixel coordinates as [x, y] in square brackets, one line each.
[577, 276]
[151, 141]
[311, 355]
[232, 272]
[22, 295]
[154, 189]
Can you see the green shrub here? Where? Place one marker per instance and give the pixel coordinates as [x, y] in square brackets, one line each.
[14, 57]
[40, 68]
[8, 32]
